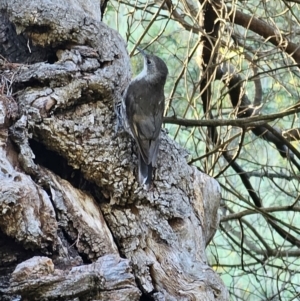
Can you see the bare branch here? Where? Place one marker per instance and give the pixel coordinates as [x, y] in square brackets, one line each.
[266, 31]
[258, 211]
[252, 121]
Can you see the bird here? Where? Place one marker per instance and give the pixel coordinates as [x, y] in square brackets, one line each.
[142, 113]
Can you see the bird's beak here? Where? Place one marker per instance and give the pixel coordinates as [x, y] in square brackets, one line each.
[141, 51]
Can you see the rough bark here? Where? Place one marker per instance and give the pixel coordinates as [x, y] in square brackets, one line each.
[109, 278]
[68, 187]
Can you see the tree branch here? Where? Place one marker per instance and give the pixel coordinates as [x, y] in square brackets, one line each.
[247, 212]
[266, 31]
[252, 121]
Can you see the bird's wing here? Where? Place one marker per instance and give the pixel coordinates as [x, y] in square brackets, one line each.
[145, 120]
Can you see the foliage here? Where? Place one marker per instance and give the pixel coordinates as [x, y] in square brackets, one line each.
[256, 250]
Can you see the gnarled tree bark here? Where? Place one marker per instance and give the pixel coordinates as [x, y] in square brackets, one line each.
[70, 205]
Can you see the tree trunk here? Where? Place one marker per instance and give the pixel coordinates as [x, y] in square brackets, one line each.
[74, 223]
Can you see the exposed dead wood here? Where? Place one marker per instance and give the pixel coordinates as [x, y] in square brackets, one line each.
[80, 217]
[109, 278]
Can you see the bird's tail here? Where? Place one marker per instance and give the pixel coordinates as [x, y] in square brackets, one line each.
[145, 172]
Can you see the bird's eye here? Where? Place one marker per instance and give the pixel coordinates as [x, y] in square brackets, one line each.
[148, 62]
